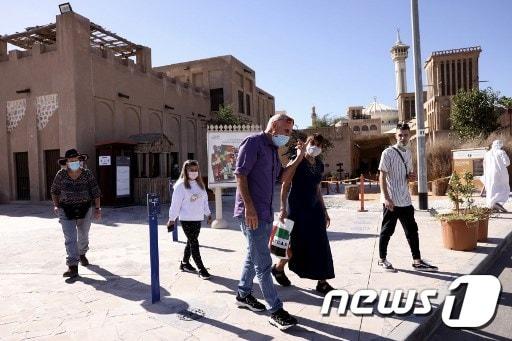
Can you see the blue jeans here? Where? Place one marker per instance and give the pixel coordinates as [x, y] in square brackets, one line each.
[258, 263]
[76, 236]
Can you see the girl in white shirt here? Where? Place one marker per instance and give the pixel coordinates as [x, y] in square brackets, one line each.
[190, 203]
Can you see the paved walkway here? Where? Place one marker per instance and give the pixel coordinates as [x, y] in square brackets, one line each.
[111, 299]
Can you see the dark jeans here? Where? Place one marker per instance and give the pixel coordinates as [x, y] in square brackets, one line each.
[406, 217]
[191, 230]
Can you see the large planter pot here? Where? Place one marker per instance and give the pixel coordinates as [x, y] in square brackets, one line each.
[352, 192]
[483, 225]
[439, 187]
[460, 235]
[413, 188]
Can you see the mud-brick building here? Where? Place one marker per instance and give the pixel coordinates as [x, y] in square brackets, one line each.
[74, 84]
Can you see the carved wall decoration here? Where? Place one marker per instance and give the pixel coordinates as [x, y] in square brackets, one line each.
[45, 108]
[15, 112]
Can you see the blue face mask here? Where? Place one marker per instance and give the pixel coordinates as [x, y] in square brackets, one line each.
[74, 165]
[280, 140]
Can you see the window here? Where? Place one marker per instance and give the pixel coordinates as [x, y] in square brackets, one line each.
[470, 74]
[240, 101]
[373, 127]
[454, 75]
[356, 128]
[248, 103]
[447, 76]
[464, 75]
[443, 81]
[364, 128]
[154, 165]
[459, 76]
[175, 166]
[216, 99]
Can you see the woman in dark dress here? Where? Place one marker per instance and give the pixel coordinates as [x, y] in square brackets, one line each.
[310, 251]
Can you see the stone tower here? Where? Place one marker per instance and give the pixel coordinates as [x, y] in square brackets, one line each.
[313, 117]
[399, 53]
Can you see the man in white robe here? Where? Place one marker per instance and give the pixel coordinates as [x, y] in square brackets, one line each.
[496, 179]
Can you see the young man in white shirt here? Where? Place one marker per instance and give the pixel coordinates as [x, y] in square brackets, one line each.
[396, 170]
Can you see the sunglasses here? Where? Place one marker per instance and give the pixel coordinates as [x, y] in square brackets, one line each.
[288, 120]
[403, 126]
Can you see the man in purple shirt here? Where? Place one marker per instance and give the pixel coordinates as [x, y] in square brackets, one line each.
[257, 168]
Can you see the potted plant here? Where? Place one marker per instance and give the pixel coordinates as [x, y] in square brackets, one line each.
[439, 186]
[483, 214]
[460, 228]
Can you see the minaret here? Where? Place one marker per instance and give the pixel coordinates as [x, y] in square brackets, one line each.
[313, 117]
[399, 55]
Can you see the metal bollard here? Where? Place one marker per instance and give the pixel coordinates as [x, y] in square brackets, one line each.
[153, 202]
[361, 193]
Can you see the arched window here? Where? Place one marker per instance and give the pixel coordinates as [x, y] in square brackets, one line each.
[356, 128]
[364, 128]
[373, 127]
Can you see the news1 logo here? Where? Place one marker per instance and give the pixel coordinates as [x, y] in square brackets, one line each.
[478, 303]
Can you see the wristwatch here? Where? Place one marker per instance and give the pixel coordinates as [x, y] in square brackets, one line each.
[98, 208]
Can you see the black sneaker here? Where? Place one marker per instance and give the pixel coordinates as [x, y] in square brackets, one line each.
[83, 260]
[280, 277]
[187, 267]
[323, 288]
[282, 320]
[250, 303]
[203, 274]
[386, 266]
[424, 266]
[72, 272]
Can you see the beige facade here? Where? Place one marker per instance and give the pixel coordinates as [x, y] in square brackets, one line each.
[407, 105]
[361, 124]
[342, 152]
[229, 82]
[448, 72]
[71, 87]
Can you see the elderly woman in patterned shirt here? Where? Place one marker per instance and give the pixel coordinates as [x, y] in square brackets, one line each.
[73, 190]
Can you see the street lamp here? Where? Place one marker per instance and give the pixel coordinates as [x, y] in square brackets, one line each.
[65, 8]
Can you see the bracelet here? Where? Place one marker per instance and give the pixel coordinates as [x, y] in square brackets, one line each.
[98, 208]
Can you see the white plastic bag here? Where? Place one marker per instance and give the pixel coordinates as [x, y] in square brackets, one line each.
[280, 237]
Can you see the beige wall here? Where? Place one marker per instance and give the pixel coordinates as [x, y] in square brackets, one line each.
[232, 76]
[342, 139]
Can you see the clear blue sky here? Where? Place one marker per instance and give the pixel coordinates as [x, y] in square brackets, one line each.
[330, 54]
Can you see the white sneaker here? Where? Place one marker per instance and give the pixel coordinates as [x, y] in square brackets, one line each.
[386, 266]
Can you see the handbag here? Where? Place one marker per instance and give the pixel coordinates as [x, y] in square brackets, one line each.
[76, 211]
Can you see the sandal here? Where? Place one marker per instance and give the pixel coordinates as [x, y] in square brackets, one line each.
[324, 288]
[280, 277]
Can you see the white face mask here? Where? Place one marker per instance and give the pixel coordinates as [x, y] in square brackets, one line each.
[403, 144]
[193, 175]
[314, 151]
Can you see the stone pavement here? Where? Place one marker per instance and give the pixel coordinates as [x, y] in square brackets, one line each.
[111, 299]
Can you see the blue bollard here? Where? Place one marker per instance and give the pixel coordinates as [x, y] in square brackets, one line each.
[153, 211]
